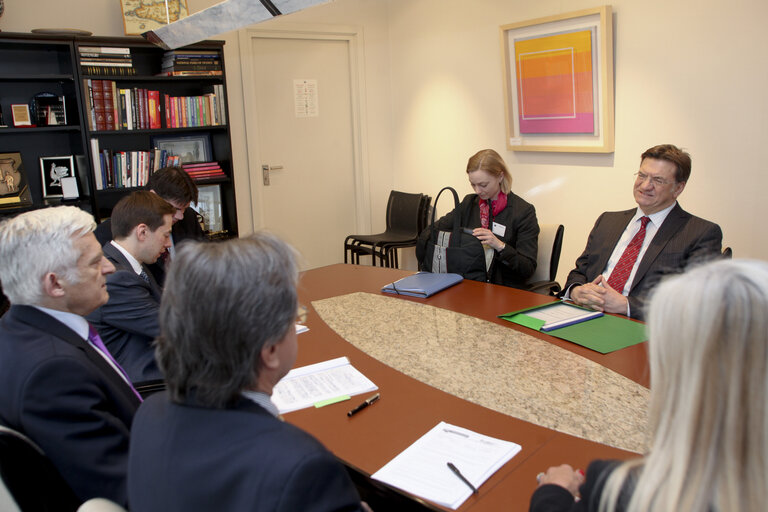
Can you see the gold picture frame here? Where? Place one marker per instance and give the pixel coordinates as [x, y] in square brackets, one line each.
[558, 82]
[140, 16]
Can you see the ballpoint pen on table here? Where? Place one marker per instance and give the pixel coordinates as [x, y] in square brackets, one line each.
[368, 401]
[463, 478]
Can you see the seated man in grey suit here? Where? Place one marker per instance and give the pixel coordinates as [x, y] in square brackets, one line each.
[60, 386]
[214, 440]
[141, 222]
[628, 252]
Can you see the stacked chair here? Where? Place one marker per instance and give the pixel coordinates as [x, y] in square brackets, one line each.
[407, 216]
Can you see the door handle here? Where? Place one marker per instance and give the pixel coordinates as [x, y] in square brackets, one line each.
[265, 172]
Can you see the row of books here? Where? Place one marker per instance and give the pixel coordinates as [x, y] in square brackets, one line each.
[204, 171]
[187, 111]
[191, 63]
[106, 60]
[113, 108]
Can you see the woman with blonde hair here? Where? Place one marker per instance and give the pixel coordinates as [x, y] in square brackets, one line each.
[708, 355]
[504, 222]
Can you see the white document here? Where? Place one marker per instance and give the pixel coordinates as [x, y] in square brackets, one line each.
[422, 468]
[561, 314]
[300, 328]
[303, 387]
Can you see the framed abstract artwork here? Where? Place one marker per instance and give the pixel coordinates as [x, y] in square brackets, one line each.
[558, 82]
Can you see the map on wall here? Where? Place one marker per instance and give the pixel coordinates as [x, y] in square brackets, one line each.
[142, 15]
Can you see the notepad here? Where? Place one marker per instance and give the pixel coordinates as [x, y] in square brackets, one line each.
[561, 314]
[422, 468]
[422, 284]
[315, 383]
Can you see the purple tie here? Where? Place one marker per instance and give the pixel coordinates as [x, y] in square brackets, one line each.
[94, 338]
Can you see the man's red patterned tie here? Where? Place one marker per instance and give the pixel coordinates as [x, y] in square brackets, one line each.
[623, 268]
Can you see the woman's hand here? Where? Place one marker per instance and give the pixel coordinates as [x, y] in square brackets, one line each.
[564, 476]
[486, 236]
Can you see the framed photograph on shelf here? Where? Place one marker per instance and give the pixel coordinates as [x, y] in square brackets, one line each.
[139, 18]
[52, 170]
[14, 187]
[20, 112]
[209, 206]
[558, 82]
[191, 148]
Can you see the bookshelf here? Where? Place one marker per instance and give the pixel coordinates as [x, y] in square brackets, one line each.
[64, 66]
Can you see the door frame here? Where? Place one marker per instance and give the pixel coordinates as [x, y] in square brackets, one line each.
[361, 176]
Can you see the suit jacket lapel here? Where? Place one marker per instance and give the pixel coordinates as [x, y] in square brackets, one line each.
[614, 230]
[36, 318]
[119, 259]
[669, 228]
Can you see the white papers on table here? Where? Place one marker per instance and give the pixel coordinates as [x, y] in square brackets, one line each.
[561, 314]
[422, 468]
[305, 386]
[300, 328]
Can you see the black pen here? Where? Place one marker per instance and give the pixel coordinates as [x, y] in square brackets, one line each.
[368, 401]
[463, 478]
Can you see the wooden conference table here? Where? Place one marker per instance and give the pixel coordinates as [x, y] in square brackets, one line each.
[409, 408]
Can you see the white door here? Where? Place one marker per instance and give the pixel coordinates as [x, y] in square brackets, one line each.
[301, 119]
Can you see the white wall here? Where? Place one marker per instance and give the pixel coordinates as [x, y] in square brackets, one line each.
[689, 72]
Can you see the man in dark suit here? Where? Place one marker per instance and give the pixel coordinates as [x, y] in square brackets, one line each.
[175, 186]
[628, 252]
[214, 440]
[141, 223]
[60, 387]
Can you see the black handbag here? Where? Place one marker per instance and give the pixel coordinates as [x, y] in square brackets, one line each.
[456, 251]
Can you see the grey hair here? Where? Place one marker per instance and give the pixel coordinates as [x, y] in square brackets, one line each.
[222, 303]
[708, 353]
[39, 242]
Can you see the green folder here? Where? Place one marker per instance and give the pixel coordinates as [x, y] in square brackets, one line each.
[604, 334]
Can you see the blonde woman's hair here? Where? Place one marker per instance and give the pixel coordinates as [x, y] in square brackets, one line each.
[708, 352]
[491, 162]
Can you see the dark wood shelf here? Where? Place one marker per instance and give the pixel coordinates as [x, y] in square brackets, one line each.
[102, 133]
[36, 78]
[36, 130]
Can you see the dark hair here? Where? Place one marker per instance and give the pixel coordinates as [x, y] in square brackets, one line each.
[673, 154]
[222, 304]
[173, 184]
[140, 207]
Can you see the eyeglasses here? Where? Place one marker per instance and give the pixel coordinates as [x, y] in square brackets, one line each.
[655, 180]
[301, 314]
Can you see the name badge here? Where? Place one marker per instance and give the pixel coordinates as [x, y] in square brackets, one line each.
[498, 229]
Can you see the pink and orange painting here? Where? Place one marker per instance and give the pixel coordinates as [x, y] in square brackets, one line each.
[554, 83]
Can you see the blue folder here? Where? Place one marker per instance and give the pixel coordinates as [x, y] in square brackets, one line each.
[422, 284]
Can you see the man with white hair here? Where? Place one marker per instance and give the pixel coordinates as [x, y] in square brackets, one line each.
[61, 387]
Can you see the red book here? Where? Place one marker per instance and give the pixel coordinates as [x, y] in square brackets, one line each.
[99, 105]
[167, 103]
[153, 102]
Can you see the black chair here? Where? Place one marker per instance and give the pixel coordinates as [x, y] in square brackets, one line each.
[31, 478]
[404, 218]
[727, 253]
[388, 251]
[547, 260]
[147, 388]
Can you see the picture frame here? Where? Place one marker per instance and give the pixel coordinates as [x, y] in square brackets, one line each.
[209, 207]
[191, 148]
[14, 186]
[52, 170]
[558, 82]
[20, 113]
[138, 18]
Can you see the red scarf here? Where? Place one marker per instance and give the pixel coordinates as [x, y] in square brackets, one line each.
[498, 205]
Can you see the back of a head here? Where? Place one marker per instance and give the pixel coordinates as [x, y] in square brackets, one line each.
[173, 184]
[35, 243]
[139, 207]
[221, 304]
[491, 162]
[708, 352]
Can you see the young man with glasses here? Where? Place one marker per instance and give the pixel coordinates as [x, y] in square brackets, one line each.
[628, 252]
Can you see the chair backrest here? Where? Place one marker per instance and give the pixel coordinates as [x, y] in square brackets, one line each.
[548, 255]
[728, 253]
[403, 212]
[31, 478]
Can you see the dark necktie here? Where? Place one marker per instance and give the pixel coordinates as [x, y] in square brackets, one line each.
[95, 339]
[623, 268]
[144, 275]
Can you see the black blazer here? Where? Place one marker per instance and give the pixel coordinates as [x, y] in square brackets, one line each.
[190, 457]
[517, 261]
[128, 322]
[554, 498]
[681, 240]
[61, 393]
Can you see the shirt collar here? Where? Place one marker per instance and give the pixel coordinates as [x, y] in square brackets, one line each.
[656, 218]
[135, 265]
[71, 320]
[262, 399]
